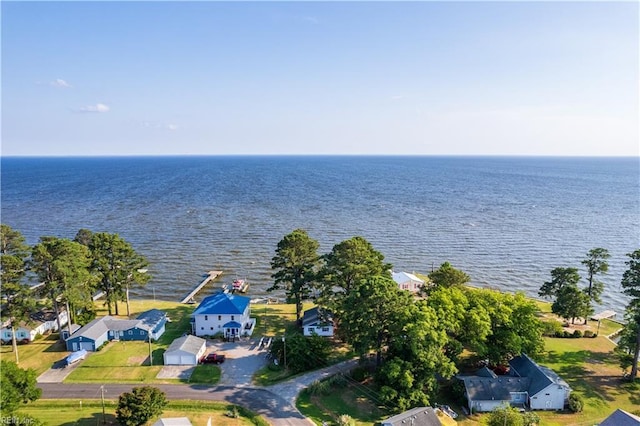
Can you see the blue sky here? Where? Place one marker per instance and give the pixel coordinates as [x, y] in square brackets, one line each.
[409, 78]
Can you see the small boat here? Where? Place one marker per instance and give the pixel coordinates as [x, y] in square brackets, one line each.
[240, 286]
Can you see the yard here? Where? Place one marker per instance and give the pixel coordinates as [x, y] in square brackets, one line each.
[89, 412]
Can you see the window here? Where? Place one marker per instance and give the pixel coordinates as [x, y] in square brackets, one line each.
[232, 318]
[206, 317]
[201, 328]
[311, 329]
[210, 328]
[219, 317]
[325, 328]
[130, 333]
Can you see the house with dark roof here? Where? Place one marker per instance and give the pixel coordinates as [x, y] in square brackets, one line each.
[526, 385]
[41, 322]
[94, 334]
[420, 416]
[225, 313]
[317, 321]
[621, 418]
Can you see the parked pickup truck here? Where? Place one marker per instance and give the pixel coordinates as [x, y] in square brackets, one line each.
[212, 359]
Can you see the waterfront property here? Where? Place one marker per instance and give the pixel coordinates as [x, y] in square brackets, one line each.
[185, 350]
[317, 321]
[621, 418]
[224, 313]
[41, 322]
[407, 281]
[526, 385]
[424, 416]
[149, 324]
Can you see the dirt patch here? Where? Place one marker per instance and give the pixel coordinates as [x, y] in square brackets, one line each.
[136, 360]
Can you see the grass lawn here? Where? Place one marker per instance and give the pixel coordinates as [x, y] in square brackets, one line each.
[205, 374]
[349, 399]
[89, 413]
[128, 362]
[40, 354]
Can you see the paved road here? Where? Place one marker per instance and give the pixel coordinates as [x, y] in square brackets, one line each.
[276, 410]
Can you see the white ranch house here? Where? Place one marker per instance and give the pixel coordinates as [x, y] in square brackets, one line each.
[526, 385]
[407, 281]
[317, 321]
[42, 322]
[224, 313]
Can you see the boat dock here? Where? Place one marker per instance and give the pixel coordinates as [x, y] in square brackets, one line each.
[211, 275]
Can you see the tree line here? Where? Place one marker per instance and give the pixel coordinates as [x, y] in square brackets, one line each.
[571, 302]
[414, 340]
[69, 273]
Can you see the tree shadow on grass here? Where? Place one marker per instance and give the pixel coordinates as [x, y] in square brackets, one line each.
[95, 419]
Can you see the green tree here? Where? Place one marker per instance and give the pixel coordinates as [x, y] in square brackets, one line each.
[571, 303]
[596, 263]
[295, 263]
[348, 263]
[514, 325]
[560, 277]
[630, 338]
[142, 404]
[505, 416]
[375, 305]
[414, 357]
[118, 267]
[448, 276]
[19, 387]
[63, 266]
[302, 353]
[18, 302]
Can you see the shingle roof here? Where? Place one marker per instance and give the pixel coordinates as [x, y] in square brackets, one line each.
[540, 376]
[621, 418]
[152, 318]
[222, 304]
[423, 416]
[316, 316]
[494, 389]
[94, 329]
[403, 277]
[188, 343]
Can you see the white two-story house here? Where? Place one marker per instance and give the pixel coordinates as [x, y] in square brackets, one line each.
[224, 313]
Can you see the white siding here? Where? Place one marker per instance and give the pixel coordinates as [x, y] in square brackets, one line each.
[210, 324]
[550, 398]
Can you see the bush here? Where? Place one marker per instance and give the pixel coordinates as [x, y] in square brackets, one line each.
[551, 328]
[576, 403]
[566, 334]
[359, 374]
[589, 333]
[346, 420]
[577, 334]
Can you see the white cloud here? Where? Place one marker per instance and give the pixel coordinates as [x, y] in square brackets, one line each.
[58, 82]
[95, 108]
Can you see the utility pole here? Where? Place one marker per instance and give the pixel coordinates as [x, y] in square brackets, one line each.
[285, 351]
[150, 352]
[104, 416]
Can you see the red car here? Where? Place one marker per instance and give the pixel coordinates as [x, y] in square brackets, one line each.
[212, 359]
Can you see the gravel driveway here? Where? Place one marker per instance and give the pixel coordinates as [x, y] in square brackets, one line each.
[243, 359]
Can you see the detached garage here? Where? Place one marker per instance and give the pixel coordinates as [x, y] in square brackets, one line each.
[186, 350]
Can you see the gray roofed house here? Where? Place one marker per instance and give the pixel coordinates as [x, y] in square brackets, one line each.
[526, 384]
[420, 416]
[185, 350]
[107, 328]
[317, 321]
[621, 418]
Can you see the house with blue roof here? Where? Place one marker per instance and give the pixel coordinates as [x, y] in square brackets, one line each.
[228, 314]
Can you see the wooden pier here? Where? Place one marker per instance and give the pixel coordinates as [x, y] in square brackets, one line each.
[211, 275]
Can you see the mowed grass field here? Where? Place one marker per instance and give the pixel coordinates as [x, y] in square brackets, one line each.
[89, 413]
